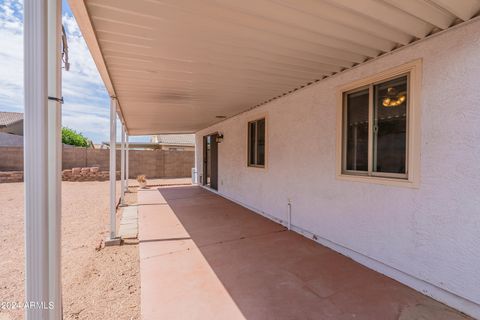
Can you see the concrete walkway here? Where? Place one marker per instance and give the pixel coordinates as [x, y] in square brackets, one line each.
[129, 223]
[204, 257]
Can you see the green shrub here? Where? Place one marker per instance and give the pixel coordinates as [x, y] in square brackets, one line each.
[74, 138]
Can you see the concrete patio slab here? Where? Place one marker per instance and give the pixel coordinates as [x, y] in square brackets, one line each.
[205, 257]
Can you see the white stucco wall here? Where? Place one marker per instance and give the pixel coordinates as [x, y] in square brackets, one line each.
[426, 237]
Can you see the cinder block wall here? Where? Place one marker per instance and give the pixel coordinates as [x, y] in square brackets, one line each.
[96, 158]
[74, 158]
[11, 159]
[149, 163]
[177, 163]
[152, 163]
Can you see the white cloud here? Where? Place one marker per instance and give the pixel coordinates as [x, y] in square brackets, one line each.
[82, 68]
[11, 54]
[86, 107]
[86, 101]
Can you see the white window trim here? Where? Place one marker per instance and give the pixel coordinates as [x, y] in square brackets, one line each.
[252, 119]
[414, 69]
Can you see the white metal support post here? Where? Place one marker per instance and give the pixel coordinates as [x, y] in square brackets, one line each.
[122, 168]
[35, 157]
[127, 163]
[54, 157]
[113, 173]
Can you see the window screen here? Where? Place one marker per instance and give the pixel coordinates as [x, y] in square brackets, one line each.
[256, 143]
[390, 126]
[357, 131]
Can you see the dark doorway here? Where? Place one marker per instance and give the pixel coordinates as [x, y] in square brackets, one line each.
[210, 161]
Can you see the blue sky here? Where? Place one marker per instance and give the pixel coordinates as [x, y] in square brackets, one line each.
[86, 107]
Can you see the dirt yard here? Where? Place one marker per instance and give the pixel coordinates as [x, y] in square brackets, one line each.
[97, 284]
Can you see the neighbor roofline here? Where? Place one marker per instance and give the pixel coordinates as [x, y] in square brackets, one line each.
[11, 123]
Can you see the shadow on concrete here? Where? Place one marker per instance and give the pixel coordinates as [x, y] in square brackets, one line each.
[272, 273]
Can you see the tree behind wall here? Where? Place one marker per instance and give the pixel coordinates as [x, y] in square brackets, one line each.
[71, 137]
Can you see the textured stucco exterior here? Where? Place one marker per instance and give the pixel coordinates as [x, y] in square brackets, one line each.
[426, 237]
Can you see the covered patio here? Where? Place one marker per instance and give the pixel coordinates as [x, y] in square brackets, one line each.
[271, 90]
[205, 257]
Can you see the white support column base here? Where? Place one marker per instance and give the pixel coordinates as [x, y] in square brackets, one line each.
[113, 242]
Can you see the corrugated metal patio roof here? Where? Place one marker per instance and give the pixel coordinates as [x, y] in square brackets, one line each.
[176, 65]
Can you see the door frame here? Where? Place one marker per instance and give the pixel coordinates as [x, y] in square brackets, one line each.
[212, 160]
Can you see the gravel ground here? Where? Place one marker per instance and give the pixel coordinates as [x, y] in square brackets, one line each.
[97, 284]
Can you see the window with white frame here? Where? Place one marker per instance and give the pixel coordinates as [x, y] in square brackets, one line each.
[375, 129]
[256, 143]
